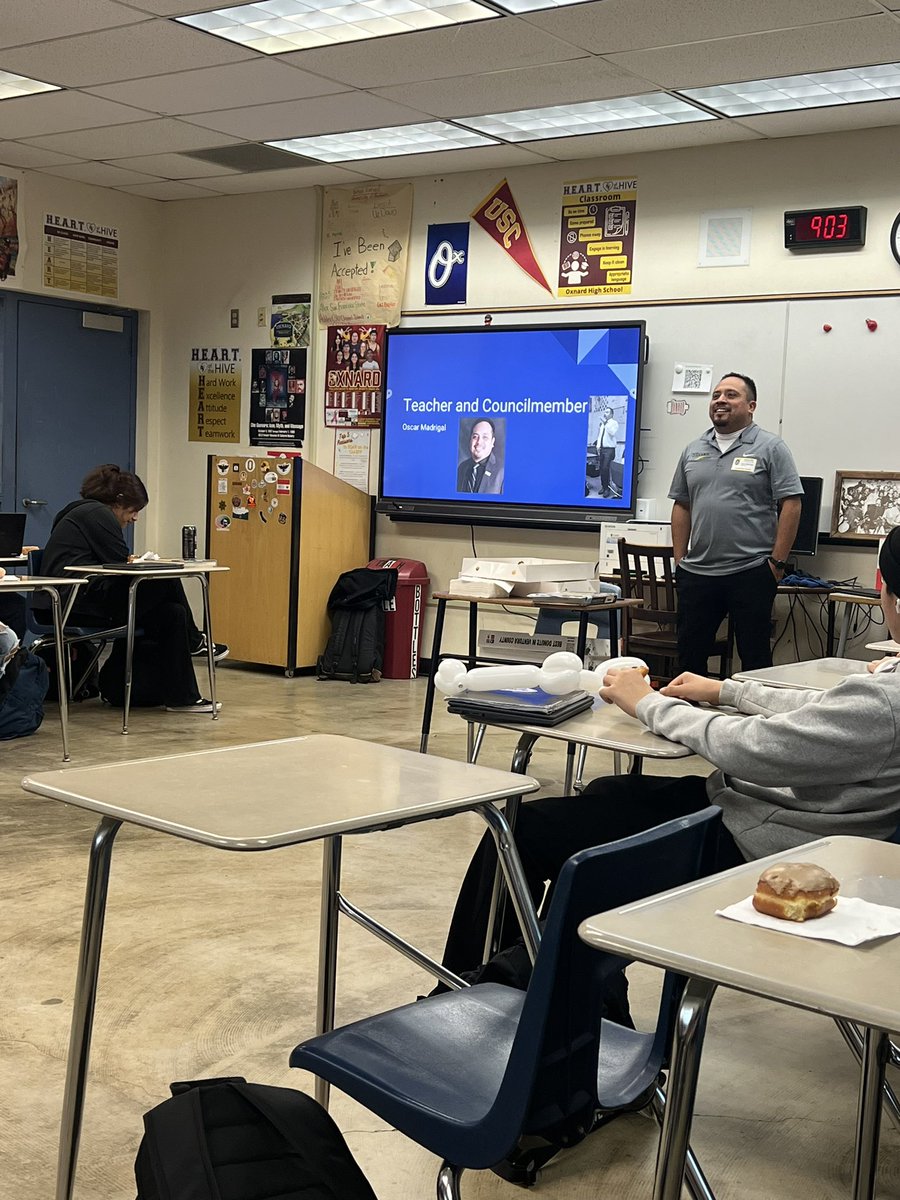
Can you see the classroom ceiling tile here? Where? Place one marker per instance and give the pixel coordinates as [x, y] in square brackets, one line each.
[863, 40]
[496, 91]
[304, 118]
[172, 166]
[826, 120]
[144, 137]
[150, 48]
[35, 20]
[101, 174]
[315, 175]
[211, 88]
[168, 189]
[449, 162]
[439, 54]
[59, 112]
[17, 154]
[171, 8]
[642, 141]
[612, 26]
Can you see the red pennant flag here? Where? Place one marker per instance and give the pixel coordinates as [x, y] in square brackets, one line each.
[498, 216]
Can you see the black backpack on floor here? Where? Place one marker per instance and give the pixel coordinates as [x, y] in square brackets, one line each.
[23, 686]
[355, 650]
[226, 1139]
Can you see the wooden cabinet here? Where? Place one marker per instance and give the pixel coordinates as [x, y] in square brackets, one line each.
[286, 529]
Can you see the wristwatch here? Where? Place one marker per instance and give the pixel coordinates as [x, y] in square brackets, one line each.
[780, 563]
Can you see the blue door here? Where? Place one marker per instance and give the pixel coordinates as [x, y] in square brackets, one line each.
[69, 377]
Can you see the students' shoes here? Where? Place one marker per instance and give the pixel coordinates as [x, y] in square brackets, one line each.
[220, 650]
[199, 706]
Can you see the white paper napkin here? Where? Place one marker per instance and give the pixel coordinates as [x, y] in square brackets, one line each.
[851, 922]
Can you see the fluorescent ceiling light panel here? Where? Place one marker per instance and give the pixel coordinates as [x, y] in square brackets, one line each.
[820, 89]
[12, 86]
[595, 116]
[279, 26]
[384, 143]
[523, 6]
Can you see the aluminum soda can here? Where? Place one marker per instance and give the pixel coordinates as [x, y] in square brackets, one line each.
[189, 541]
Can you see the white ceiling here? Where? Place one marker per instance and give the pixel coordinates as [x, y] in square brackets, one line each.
[143, 92]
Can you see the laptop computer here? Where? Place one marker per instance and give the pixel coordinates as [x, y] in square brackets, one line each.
[12, 534]
[529, 706]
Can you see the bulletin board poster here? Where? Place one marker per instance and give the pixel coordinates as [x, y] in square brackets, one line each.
[289, 320]
[81, 256]
[278, 398]
[214, 406]
[596, 244]
[365, 246]
[351, 457]
[354, 376]
[9, 226]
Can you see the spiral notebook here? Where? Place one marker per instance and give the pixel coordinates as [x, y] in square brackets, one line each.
[527, 706]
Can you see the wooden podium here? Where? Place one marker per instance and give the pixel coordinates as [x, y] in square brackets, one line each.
[286, 529]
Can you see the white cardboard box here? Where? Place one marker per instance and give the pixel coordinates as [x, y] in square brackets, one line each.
[525, 570]
[643, 533]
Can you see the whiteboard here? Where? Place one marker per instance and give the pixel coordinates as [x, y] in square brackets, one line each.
[833, 397]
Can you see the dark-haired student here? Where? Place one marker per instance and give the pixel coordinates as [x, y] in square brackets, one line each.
[90, 532]
[736, 509]
[796, 765]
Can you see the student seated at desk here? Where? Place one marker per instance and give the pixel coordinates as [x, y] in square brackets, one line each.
[88, 532]
[799, 765]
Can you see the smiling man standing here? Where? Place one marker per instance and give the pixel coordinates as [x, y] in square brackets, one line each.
[736, 508]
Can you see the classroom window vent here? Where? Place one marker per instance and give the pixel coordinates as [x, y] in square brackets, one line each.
[250, 157]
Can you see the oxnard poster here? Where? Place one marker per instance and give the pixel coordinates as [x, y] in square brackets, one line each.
[354, 376]
[596, 241]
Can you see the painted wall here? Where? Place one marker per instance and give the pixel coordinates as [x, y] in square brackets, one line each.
[186, 264]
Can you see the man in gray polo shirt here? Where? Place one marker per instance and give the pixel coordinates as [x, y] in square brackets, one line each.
[736, 508]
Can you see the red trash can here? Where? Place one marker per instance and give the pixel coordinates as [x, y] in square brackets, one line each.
[403, 626]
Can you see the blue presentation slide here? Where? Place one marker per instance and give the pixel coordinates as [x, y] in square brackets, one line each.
[512, 416]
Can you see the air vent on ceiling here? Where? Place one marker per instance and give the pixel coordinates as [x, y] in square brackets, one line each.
[250, 156]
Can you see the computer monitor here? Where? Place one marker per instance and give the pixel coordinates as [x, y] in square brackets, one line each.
[810, 510]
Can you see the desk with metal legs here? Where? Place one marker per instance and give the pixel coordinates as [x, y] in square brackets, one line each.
[135, 576]
[848, 599]
[359, 787]
[679, 931]
[604, 727]
[60, 611]
[816, 674]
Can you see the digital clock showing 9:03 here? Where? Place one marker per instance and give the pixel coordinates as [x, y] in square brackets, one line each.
[825, 228]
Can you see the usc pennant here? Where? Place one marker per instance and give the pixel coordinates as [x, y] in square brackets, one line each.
[498, 216]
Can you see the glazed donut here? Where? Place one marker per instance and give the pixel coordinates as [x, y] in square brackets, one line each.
[795, 891]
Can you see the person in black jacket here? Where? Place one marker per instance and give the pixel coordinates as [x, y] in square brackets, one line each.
[89, 532]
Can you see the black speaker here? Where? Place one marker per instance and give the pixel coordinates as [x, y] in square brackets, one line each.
[810, 510]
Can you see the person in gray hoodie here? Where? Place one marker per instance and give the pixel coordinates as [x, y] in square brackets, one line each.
[791, 765]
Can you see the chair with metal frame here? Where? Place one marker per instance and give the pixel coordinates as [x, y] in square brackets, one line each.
[648, 574]
[97, 638]
[467, 1073]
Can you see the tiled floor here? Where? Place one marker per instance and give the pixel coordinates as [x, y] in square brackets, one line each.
[208, 969]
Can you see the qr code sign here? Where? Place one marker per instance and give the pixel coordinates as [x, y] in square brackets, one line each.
[692, 377]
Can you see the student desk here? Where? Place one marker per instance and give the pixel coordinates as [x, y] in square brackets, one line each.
[817, 674]
[135, 576]
[584, 611]
[604, 727]
[848, 599]
[51, 586]
[359, 787]
[679, 931]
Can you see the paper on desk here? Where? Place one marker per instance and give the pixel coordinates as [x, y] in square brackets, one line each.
[851, 922]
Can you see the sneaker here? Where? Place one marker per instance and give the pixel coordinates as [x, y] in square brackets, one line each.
[199, 706]
[220, 650]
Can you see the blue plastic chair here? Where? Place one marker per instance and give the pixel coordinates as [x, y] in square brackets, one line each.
[73, 635]
[467, 1073]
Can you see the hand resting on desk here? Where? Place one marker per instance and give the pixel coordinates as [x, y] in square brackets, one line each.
[697, 688]
[625, 688]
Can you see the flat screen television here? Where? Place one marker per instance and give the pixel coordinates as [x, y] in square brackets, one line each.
[531, 425]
